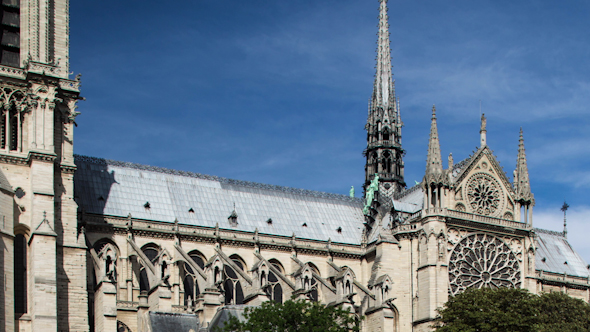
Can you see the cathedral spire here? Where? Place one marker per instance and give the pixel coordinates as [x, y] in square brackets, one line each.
[384, 151]
[383, 89]
[521, 174]
[434, 167]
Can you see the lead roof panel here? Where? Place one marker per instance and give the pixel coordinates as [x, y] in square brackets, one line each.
[554, 254]
[118, 188]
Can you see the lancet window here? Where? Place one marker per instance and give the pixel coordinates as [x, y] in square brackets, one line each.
[152, 254]
[232, 286]
[191, 286]
[20, 274]
[10, 36]
[11, 119]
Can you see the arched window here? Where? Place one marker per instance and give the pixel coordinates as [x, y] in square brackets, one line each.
[20, 274]
[238, 261]
[277, 265]
[232, 286]
[152, 254]
[386, 134]
[387, 162]
[274, 289]
[191, 286]
[374, 164]
[11, 119]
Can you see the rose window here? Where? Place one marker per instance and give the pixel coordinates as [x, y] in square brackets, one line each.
[483, 194]
[482, 260]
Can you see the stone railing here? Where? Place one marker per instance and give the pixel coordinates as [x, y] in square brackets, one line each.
[383, 144]
[229, 235]
[127, 304]
[486, 220]
[69, 85]
[181, 309]
[12, 72]
[43, 68]
[564, 278]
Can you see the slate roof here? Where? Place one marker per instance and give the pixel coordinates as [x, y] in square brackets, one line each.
[118, 188]
[554, 254]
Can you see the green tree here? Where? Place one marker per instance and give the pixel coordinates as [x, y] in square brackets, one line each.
[560, 312]
[486, 309]
[291, 316]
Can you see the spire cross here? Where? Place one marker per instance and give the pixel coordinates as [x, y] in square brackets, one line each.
[564, 208]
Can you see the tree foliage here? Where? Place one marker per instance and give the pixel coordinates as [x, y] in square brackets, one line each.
[291, 316]
[509, 309]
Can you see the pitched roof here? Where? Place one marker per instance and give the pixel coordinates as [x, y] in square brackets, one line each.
[118, 188]
[555, 254]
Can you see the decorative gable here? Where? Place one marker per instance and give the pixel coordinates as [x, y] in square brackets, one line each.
[483, 188]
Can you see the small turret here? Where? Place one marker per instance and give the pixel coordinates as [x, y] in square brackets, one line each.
[522, 185]
[434, 167]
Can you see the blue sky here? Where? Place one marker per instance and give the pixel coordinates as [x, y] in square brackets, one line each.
[276, 91]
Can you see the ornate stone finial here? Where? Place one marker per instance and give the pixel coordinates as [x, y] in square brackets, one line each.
[44, 216]
[451, 162]
[564, 208]
[351, 192]
[482, 130]
[521, 180]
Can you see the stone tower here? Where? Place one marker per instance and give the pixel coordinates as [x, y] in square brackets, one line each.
[44, 262]
[384, 126]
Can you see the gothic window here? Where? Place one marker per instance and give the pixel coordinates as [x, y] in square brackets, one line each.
[482, 260]
[20, 274]
[386, 134]
[10, 36]
[191, 286]
[121, 327]
[273, 288]
[387, 162]
[374, 164]
[232, 287]
[152, 254]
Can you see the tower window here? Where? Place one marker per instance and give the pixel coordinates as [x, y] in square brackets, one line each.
[20, 274]
[386, 134]
[10, 26]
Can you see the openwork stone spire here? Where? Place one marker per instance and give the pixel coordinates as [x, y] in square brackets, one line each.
[384, 151]
[434, 169]
[521, 175]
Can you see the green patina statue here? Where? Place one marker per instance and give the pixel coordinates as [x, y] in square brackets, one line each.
[370, 195]
[351, 192]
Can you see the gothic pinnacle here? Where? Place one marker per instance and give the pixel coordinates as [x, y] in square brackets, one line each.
[434, 168]
[521, 174]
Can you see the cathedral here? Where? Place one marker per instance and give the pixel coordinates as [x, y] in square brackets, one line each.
[99, 245]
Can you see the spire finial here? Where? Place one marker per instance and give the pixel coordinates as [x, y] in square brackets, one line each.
[433, 111]
[482, 130]
[564, 208]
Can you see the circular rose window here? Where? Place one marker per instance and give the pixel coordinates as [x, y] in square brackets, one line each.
[482, 260]
[484, 194]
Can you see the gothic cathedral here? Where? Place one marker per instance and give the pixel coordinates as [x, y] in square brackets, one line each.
[99, 245]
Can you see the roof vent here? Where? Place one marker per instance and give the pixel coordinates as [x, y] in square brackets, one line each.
[565, 262]
[543, 259]
[191, 210]
[304, 224]
[269, 221]
[147, 205]
[101, 199]
[339, 230]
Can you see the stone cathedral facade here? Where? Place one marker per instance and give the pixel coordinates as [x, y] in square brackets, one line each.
[97, 245]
